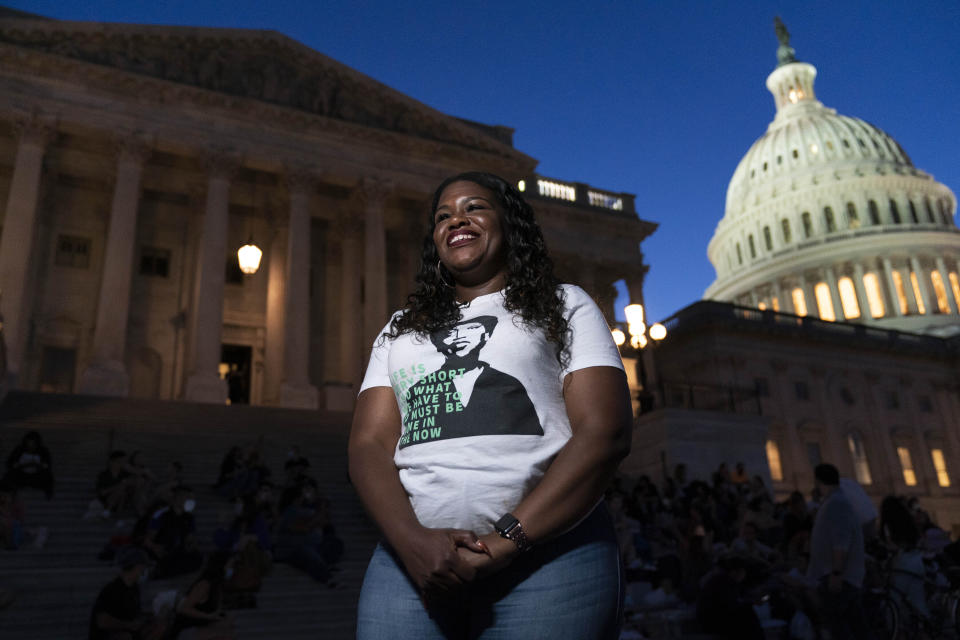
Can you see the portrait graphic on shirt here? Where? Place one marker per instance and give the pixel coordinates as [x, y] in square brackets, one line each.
[465, 396]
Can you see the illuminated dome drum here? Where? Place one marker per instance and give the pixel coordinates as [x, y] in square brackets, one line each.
[827, 216]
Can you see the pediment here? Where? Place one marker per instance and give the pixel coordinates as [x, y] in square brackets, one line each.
[265, 66]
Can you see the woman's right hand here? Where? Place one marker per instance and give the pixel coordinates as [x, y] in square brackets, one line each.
[431, 559]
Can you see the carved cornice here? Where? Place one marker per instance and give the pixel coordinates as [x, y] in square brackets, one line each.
[227, 68]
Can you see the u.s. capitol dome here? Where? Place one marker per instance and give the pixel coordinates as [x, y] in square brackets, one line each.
[827, 216]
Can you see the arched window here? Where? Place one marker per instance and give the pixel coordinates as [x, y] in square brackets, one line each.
[915, 283]
[753, 247]
[940, 291]
[739, 254]
[848, 298]
[858, 454]
[773, 460]
[874, 212]
[926, 205]
[807, 224]
[829, 222]
[768, 238]
[901, 293]
[894, 212]
[874, 294]
[799, 302]
[913, 212]
[824, 302]
[785, 226]
[906, 465]
[853, 220]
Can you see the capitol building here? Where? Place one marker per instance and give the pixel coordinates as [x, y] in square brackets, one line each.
[827, 216]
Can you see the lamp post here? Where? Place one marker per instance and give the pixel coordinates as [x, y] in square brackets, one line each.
[640, 337]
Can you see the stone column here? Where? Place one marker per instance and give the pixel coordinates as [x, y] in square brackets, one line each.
[894, 299]
[923, 280]
[953, 303]
[912, 307]
[296, 390]
[862, 301]
[372, 196]
[106, 373]
[276, 275]
[835, 294]
[206, 322]
[786, 300]
[349, 228]
[813, 309]
[16, 244]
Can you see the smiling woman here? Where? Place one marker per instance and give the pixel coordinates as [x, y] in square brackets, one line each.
[492, 416]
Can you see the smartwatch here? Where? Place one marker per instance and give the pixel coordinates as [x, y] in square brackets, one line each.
[510, 528]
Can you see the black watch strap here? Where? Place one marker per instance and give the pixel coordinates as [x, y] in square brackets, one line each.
[510, 528]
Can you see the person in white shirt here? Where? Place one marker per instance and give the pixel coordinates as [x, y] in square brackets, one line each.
[492, 417]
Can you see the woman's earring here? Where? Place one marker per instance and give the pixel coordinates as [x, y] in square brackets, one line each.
[440, 275]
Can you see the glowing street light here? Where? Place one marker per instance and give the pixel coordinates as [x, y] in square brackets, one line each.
[249, 257]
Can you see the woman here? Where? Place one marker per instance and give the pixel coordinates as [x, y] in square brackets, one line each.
[493, 415]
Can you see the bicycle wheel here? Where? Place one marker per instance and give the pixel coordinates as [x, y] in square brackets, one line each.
[884, 617]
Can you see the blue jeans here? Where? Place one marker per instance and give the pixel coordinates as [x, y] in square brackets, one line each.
[568, 588]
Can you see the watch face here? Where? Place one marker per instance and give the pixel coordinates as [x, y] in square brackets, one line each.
[505, 523]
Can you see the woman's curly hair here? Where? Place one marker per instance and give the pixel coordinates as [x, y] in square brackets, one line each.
[531, 288]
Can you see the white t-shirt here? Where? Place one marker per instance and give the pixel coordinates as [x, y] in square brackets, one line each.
[482, 406]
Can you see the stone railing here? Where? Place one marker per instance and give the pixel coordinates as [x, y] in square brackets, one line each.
[578, 193]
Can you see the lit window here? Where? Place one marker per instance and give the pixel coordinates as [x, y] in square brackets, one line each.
[785, 225]
[874, 296]
[894, 212]
[901, 293]
[874, 212]
[814, 148]
[768, 238]
[916, 293]
[859, 455]
[848, 298]
[807, 224]
[552, 189]
[773, 460]
[955, 286]
[824, 303]
[853, 221]
[753, 248]
[939, 463]
[940, 291]
[799, 302]
[829, 220]
[775, 303]
[906, 463]
[522, 185]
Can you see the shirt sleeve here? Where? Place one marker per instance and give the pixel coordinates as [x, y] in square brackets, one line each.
[378, 373]
[590, 342]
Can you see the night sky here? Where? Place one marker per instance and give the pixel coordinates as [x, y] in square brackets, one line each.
[660, 99]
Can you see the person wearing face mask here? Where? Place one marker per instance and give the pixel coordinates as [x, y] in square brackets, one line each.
[201, 609]
[117, 612]
[171, 536]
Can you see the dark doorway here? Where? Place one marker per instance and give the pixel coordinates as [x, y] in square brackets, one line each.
[235, 361]
[57, 369]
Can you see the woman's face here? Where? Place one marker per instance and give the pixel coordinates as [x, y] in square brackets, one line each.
[468, 233]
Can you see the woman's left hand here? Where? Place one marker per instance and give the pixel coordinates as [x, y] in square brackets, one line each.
[500, 553]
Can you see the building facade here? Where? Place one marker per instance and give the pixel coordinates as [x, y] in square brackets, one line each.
[135, 160]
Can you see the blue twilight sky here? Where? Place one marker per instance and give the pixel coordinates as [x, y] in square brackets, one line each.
[656, 98]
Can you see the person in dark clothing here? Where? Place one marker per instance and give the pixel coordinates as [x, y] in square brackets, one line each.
[721, 609]
[201, 608]
[115, 485]
[306, 538]
[117, 614]
[28, 465]
[171, 536]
